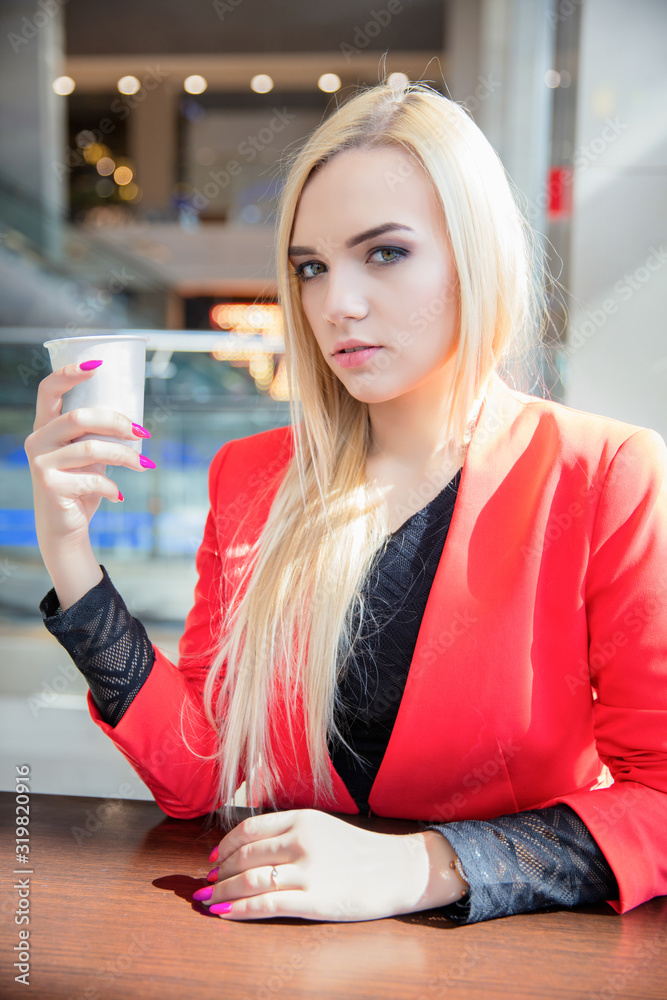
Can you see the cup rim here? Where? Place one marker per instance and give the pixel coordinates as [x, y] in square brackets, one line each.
[89, 339]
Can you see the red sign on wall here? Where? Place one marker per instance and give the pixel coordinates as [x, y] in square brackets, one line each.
[559, 188]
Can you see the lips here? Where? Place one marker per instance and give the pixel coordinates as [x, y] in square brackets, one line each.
[355, 359]
[345, 345]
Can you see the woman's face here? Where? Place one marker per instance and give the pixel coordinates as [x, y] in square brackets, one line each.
[396, 290]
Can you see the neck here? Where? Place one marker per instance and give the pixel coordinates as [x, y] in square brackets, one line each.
[410, 430]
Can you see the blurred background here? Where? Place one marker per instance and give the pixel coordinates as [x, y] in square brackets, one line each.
[140, 147]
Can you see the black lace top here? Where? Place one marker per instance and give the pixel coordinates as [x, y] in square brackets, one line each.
[514, 864]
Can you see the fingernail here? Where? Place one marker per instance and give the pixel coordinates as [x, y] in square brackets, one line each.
[140, 431]
[204, 893]
[87, 366]
[213, 856]
[220, 908]
[147, 463]
[212, 875]
[120, 496]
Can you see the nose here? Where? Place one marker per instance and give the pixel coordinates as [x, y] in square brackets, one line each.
[344, 298]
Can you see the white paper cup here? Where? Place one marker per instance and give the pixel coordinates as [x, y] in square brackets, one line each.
[118, 384]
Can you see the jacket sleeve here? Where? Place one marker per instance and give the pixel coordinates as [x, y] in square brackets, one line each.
[164, 733]
[110, 647]
[626, 605]
[526, 861]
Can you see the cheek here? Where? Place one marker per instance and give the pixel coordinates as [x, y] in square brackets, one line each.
[310, 310]
[427, 292]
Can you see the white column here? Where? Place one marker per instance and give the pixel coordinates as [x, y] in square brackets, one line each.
[616, 352]
[152, 142]
[33, 120]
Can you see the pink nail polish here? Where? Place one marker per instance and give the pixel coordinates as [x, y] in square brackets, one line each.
[212, 875]
[140, 431]
[213, 856]
[220, 908]
[147, 463]
[120, 496]
[204, 893]
[87, 366]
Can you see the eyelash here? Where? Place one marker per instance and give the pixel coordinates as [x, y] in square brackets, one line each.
[298, 271]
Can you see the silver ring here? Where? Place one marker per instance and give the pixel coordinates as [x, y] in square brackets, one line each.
[274, 878]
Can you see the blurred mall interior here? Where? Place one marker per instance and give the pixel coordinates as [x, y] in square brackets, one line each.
[141, 155]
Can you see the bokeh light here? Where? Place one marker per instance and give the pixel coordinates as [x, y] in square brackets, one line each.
[397, 80]
[105, 166]
[261, 83]
[247, 319]
[128, 85]
[329, 83]
[93, 154]
[104, 188]
[130, 192]
[195, 84]
[279, 389]
[63, 85]
[122, 175]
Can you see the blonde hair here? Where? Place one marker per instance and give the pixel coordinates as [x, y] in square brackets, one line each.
[287, 631]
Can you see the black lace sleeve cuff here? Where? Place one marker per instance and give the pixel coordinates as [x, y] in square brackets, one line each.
[108, 645]
[527, 861]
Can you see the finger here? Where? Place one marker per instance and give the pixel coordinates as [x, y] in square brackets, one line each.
[68, 427]
[256, 882]
[276, 850]
[254, 829]
[50, 392]
[269, 904]
[91, 452]
[69, 486]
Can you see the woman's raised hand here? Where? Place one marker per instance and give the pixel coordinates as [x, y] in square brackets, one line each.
[68, 475]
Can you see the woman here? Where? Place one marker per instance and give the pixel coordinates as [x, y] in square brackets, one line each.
[429, 597]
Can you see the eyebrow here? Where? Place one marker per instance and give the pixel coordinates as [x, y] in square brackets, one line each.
[368, 234]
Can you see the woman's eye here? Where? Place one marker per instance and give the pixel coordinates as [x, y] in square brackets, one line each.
[301, 273]
[394, 250]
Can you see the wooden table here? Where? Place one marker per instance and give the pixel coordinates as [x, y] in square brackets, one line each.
[111, 916]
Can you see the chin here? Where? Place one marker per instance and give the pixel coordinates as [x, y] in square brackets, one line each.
[372, 392]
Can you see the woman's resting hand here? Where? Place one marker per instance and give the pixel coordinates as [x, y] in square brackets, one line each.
[327, 869]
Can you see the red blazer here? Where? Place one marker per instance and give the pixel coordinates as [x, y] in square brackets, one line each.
[540, 669]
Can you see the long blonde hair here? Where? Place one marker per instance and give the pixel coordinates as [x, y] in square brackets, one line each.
[302, 578]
